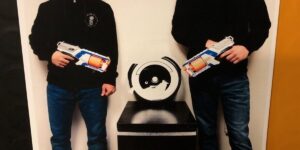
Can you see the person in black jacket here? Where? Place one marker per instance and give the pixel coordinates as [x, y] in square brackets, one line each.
[88, 24]
[198, 24]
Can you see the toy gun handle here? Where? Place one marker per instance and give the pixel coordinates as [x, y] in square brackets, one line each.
[222, 46]
[67, 48]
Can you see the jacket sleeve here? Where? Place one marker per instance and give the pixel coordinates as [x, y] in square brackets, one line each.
[259, 25]
[111, 46]
[40, 34]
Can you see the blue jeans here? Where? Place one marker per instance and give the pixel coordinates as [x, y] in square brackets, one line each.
[93, 107]
[232, 91]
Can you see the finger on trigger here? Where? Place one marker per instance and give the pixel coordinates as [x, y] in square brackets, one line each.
[229, 57]
[68, 57]
[65, 61]
[233, 59]
[61, 66]
[225, 54]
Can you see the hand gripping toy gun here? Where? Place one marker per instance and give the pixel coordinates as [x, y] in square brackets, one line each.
[85, 57]
[207, 58]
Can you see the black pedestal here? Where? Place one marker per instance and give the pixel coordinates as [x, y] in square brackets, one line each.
[156, 126]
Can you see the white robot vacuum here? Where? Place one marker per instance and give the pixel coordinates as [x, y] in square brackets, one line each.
[156, 80]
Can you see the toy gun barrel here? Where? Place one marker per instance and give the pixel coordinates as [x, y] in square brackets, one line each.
[207, 58]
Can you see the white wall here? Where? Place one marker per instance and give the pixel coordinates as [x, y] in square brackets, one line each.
[143, 28]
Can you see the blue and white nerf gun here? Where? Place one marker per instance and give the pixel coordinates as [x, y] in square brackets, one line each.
[85, 57]
[207, 58]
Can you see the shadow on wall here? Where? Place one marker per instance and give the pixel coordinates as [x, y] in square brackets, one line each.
[14, 118]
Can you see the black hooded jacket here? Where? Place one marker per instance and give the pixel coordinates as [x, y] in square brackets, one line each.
[196, 21]
[68, 21]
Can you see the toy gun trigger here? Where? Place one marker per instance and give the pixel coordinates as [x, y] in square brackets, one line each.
[79, 62]
[214, 62]
[223, 51]
[68, 54]
[218, 58]
[209, 59]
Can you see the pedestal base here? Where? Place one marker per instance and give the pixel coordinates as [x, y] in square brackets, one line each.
[156, 126]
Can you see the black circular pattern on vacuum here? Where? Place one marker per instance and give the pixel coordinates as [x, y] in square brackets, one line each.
[154, 75]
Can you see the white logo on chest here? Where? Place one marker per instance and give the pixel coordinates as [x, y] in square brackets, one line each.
[91, 20]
